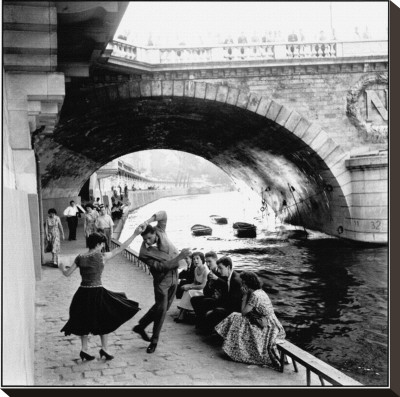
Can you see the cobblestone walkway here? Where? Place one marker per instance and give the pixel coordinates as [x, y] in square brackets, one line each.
[182, 358]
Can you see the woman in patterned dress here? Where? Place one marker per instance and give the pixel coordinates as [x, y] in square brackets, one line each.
[251, 336]
[54, 229]
[89, 226]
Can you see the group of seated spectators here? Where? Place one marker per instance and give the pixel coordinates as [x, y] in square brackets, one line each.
[232, 305]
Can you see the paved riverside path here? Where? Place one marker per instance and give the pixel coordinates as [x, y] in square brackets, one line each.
[182, 358]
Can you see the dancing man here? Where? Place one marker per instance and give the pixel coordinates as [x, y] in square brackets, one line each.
[163, 260]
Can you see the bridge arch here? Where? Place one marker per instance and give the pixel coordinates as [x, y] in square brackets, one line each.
[290, 161]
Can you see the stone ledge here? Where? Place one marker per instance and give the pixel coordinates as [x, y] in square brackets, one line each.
[369, 160]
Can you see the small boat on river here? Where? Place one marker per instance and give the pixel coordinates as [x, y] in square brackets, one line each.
[297, 234]
[243, 229]
[201, 230]
[219, 220]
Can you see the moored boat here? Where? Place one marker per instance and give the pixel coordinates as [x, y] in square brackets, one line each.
[243, 229]
[297, 234]
[201, 230]
[219, 220]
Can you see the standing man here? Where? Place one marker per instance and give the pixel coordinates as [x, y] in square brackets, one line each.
[163, 259]
[105, 224]
[71, 213]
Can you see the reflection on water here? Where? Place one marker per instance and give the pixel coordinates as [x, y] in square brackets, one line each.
[330, 295]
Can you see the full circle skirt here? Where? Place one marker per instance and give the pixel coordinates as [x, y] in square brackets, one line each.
[98, 311]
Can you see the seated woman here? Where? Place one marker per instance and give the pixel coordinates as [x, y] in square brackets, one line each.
[196, 288]
[186, 276]
[250, 337]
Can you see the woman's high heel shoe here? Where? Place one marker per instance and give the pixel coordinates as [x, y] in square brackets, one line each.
[84, 356]
[106, 355]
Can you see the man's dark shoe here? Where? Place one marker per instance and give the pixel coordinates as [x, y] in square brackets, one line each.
[151, 348]
[141, 332]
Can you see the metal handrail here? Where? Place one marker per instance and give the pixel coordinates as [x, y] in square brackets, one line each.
[132, 256]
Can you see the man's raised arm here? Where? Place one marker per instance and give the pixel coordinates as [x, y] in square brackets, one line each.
[169, 264]
[160, 217]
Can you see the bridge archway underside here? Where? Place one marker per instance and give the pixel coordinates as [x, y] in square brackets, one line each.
[253, 139]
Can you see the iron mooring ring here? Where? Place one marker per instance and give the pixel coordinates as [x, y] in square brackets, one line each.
[262, 209]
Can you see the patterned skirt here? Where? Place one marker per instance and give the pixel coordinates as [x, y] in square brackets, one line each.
[250, 344]
[98, 311]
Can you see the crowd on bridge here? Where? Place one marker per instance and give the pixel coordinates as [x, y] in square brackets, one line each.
[246, 38]
[229, 306]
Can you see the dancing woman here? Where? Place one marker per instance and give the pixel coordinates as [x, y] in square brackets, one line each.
[94, 309]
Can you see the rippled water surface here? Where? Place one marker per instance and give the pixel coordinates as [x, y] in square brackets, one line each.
[330, 295]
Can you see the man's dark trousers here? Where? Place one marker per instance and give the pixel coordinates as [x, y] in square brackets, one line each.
[201, 306]
[164, 293]
[72, 225]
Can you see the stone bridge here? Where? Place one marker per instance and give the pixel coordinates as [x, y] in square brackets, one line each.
[304, 125]
[306, 131]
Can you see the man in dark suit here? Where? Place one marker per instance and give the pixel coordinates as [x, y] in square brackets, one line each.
[163, 260]
[231, 295]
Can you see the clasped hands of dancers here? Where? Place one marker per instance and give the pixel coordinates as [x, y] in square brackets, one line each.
[98, 311]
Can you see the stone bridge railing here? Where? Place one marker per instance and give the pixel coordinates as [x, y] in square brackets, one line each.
[245, 52]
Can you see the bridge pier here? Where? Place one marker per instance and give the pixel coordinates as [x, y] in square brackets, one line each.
[368, 197]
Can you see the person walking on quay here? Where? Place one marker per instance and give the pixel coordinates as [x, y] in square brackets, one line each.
[89, 225]
[250, 336]
[163, 259]
[94, 309]
[72, 213]
[105, 224]
[53, 229]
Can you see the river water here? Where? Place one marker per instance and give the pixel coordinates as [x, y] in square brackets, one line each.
[330, 295]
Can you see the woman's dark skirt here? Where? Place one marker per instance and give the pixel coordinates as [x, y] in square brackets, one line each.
[98, 311]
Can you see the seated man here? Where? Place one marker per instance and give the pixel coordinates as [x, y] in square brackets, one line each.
[226, 298]
[185, 277]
